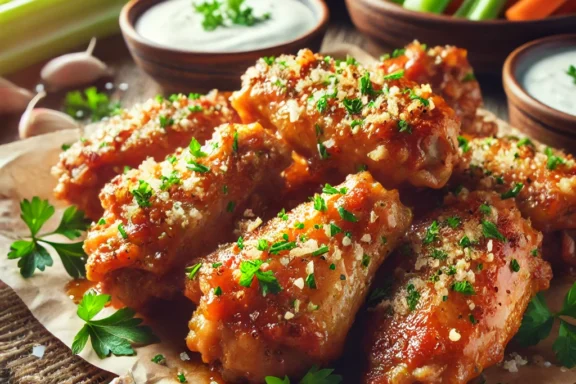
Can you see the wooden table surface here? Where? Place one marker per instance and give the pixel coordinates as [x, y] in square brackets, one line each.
[16, 323]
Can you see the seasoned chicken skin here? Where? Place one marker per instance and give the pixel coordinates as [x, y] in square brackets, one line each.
[314, 264]
[543, 180]
[162, 215]
[152, 129]
[339, 116]
[466, 274]
[450, 75]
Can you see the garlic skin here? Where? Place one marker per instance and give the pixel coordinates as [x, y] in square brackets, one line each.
[38, 121]
[14, 98]
[73, 69]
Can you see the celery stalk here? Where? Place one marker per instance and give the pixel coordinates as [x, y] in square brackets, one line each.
[434, 6]
[464, 8]
[59, 38]
[486, 9]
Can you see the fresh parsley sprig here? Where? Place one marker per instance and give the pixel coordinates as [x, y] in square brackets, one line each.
[90, 104]
[114, 334]
[313, 376]
[537, 325]
[216, 13]
[32, 253]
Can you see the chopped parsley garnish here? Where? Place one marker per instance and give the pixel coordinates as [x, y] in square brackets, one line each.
[262, 245]
[347, 215]
[514, 265]
[412, 297]
[366, 85]
[356, 123]
[394, 75]
[414, 96]
[196, 149]
[194, 96]
[323, 151]
[572, 72]
[353, 106]
[90, 104]
[432, 233]
[553, 160]
[282, 245]
[525, 141]
[463, 287]
[169, 181]
[322, 104]
[311, 281]
[159, 359]
[197, 167]
[181, 378]
[469, 77]
[453, 222]
[268, 282]
[489, 230]
[464, 144]
[235, 142]
[439, 254]
[171, 159]
[365, 260]
[403, 126]
[465, 242]
[142, 194]
[534, 252]
[299, 225]
[319, 203]
[398, 52]
[320, 251]
[314, 376]
[165, 121]
[332, 267]
[32, 253]
[330, 190]
[383, 239]
[101, 221]
[472, 319]
[282, 214]
[216, 265]
[230, 206]
[485, 209]
[122, 231]
[269, 59]
[512, 192]
[65, 147]
[218, 291]
[114, 334]
[334, 229]
[193, 270]
[240, 242]
[218, 14]
[195, 108]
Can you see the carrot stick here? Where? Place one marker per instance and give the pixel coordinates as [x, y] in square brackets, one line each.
[533, 9]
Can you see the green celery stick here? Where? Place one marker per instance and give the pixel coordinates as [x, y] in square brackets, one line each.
[464, 8]
[486, 9]
[434, 6]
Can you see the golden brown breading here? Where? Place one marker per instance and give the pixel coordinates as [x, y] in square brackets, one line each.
[152, 129]
[450, 75]
[314, 264]
[466, 274]
[341, 117]
[162, 215]
[542, 179]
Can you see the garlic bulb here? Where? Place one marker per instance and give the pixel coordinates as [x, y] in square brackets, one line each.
[73, 69]
[14, 98]
[37, 121]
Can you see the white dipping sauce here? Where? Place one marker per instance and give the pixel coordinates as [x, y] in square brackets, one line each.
[546, 80]
[176, 24]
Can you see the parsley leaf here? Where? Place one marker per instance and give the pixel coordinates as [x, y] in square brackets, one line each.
[267, 280]
[330, 190]
[319, 203]
[489, 230]
[366, 85]
[453, 222]
[142, 194]
[572, 72]
[313, 376]
[553, 160]
[114, 334]
[353, 106]
[512, 192]
[394, 75]
[536, 324]
[35, 213]
[192, 271]
[464, 144]
[403, 126]
[414, 96]
[196, 149]
[463, 287]
[431, 233]
[524, 142]
[72, 223]
[197, 167]
[89, 104]
[565, 344]
[347, 215]
[413, 296]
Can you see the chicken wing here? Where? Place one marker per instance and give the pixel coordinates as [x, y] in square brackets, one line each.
[162, 215]
[541, 179]
[284, 297]
[153, 129]
[466, 274]
[339, 116]
[450, 75]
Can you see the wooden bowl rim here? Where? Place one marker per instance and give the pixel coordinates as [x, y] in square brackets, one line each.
[396, 9]
[128, 29]
[515, 91]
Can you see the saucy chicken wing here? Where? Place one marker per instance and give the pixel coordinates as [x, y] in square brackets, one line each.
[152, 129]
[340, 116]
[466, 274]
[284, 297]
[162, 215]
[541, 179]
[450, 75]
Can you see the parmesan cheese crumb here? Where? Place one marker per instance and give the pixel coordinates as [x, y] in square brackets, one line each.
[288, 315]
[454, 335]
[299, 282]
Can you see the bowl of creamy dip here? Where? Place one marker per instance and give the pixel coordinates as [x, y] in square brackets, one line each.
[197, 45]
[540, 83]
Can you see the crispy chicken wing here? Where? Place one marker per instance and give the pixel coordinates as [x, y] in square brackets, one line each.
[162, 215]
[339, 116]
[152, 129]
[284, 297]
[542, 180]
[466, 274]
[450, 75]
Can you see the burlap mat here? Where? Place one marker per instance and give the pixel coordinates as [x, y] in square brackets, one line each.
[19, 332]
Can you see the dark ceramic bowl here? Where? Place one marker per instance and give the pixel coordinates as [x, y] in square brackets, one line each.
[183, 71]
[544, 123]
[488, 42]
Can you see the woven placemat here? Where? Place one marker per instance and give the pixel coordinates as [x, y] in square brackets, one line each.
[19, 333]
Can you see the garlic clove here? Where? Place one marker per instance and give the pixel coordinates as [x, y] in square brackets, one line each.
[73, 69]
[14, 98]
[37, 121]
